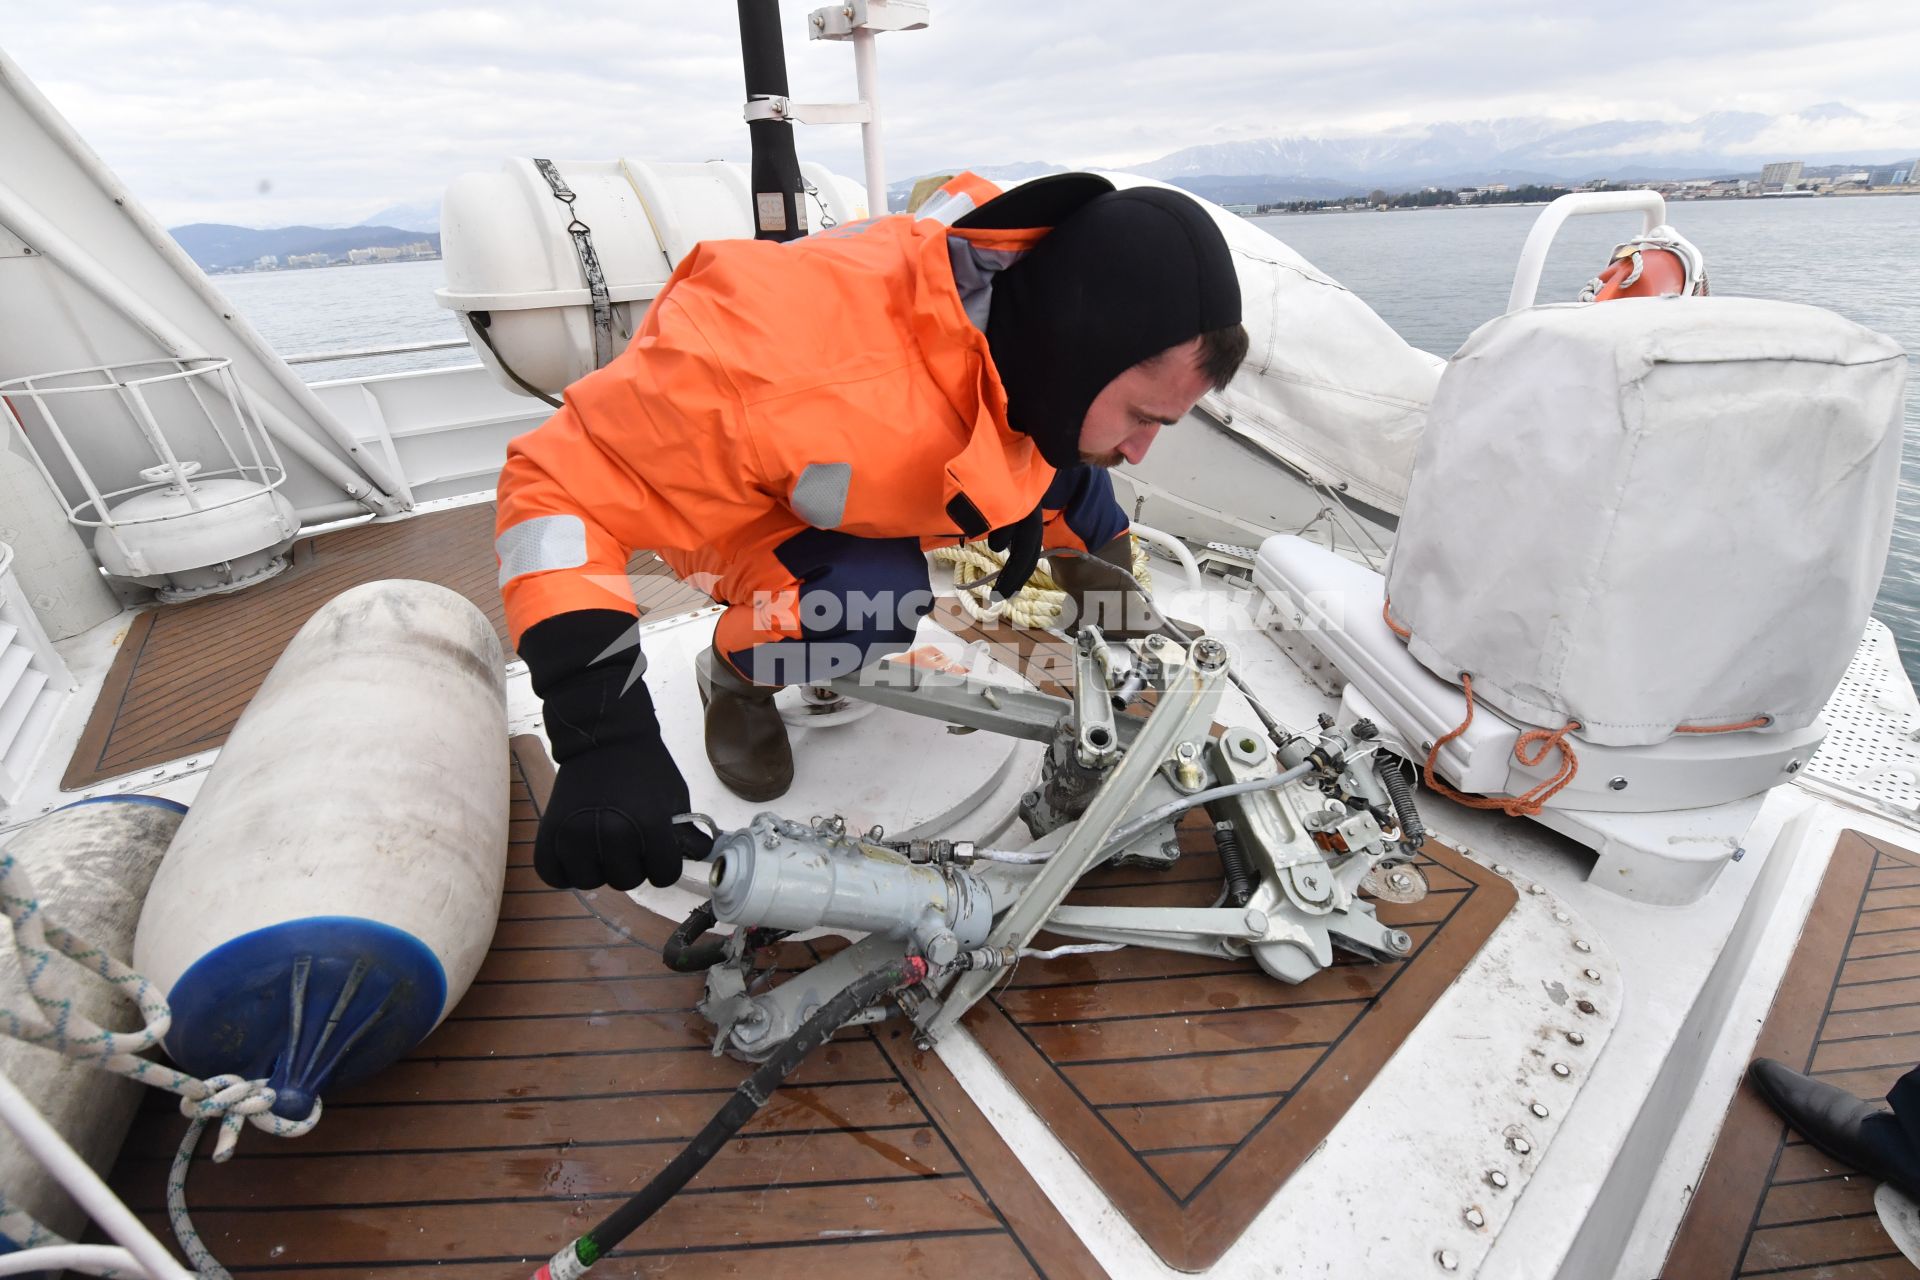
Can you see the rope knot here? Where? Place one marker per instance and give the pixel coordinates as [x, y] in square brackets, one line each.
[1530, 749]
[235, 1100]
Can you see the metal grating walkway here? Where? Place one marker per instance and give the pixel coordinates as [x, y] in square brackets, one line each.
[1873, 729]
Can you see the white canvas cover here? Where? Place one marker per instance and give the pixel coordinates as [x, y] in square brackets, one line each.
[1651, 513]
[1328, 386]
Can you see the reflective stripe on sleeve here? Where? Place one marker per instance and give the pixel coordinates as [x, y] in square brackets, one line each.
[541, 544]
[820, 494]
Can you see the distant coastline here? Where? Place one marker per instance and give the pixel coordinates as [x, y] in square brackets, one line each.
[219, 249]
[1787, 183]
[318, 266]
[1282, 211]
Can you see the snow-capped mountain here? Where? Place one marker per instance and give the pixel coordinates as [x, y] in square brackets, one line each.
[1541, 148]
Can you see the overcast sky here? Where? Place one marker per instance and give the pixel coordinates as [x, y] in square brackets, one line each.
[268, 113]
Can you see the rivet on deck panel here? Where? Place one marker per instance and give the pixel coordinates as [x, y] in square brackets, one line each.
[1562, 1070]
[1539, 1110]
[1497, 1178]
[1520, 1145]
[1591, 975]
[1574, 1037]
[1581, 944]
[1448, 1260]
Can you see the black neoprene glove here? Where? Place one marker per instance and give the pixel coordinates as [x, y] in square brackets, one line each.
[1021, 541]
[610, 817]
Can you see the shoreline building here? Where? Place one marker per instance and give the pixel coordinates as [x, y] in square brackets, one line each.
[1781, 175]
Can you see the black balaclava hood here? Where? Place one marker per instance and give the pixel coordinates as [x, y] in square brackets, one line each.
[1127, 275]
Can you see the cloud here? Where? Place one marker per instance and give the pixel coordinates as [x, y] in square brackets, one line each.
[1792, 135]
[364, 103]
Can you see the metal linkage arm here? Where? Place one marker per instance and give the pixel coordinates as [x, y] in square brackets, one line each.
[1098, 744]
[961, 700]
[1201, 931]
[1184, 710]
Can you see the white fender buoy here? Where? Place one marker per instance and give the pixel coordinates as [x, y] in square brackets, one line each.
[335, 887]
[90, 864]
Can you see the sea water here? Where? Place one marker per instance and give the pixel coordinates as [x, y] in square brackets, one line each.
[1434, 275]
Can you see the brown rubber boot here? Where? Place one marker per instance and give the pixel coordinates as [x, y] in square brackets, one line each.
[746, 738]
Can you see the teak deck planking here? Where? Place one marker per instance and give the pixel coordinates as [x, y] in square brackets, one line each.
[1769, 1204]
[570, 1074]
[1191, 1088]
[185, 672]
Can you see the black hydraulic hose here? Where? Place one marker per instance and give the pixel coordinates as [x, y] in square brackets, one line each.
[779, 205]
[1413, 832]
[1233, 860]
[751, 1094]
[685, 953]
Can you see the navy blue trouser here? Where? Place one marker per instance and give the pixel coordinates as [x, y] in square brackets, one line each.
[1904, 1098]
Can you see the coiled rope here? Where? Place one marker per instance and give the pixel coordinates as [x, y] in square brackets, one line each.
[1529, 749]
[1037, 606]
[228, 1099]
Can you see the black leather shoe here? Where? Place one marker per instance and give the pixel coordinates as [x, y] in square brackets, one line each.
[746, 738]
[1853, 1132]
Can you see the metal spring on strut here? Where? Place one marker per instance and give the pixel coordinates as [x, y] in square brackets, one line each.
[1233, 859]
[1413, 832]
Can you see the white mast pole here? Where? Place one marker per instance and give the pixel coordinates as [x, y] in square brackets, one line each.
[861, 22]
[867, 78]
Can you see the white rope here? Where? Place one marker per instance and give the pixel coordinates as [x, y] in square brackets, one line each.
[1038, 606]
[83, 1259]
[230, 1100]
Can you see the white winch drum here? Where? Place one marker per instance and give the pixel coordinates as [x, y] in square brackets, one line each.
[89, 864]
[335, 888]
[222, 531]
[510, 258]
[1653, 514]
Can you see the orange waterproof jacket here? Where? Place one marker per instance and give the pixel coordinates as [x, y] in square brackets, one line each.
[831, 382]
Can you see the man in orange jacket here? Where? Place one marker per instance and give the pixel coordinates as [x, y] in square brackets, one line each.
[795, 424]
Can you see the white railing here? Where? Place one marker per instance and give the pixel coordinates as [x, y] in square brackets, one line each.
[137, 1252]
[1533, 256]
[169, 471]
[357, 353]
